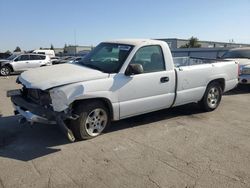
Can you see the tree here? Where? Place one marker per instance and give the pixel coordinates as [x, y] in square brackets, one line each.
[51, 47]
[192, 43]
[8, 52]
[18, 49]
[64, 49]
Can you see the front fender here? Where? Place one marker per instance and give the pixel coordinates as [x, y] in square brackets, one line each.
[62, 97]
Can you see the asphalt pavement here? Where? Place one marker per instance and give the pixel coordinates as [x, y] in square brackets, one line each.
[179, 147]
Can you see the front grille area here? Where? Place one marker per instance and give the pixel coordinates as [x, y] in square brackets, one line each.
[37, 96]
[33, 94]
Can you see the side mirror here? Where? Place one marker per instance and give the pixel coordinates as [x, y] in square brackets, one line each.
[134, 69]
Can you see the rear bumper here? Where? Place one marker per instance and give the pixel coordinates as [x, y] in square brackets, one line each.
[244, 79]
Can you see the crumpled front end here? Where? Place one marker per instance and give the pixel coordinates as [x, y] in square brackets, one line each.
[35, 106]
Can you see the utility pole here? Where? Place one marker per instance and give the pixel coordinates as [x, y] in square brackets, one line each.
[75, 40]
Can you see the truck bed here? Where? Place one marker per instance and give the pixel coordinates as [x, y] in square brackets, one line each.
[189, 61]
[194, 74]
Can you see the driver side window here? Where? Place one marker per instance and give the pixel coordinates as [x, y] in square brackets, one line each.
[151, 59]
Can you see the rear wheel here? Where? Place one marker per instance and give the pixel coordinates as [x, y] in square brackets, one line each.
[93, 119]
[5, 71]
[212, 97]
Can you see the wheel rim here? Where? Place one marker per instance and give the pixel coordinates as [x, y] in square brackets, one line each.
[213, 97]
[4, 71]
[96, 122]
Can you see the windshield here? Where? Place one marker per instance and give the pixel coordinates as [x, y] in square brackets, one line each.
[107, 57]
[12, 57]
[237, 54]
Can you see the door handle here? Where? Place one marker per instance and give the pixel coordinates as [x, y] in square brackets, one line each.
[164, 79]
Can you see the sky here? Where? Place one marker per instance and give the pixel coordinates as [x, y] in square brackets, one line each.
[32, 24]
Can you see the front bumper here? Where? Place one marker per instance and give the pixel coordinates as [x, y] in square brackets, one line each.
[244, 79]
[35, 113]
[32, 118]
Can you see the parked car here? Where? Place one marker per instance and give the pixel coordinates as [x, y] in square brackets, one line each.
[244, 77]
[68, 59]
[62, 60]
[242, 56]
[54, 60]
[4, 55]
[22, 62]
[118, 79]
[50, 53]
[75, 60]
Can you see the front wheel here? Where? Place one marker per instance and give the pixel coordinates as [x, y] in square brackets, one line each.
[212, 97]
[93, 119]
[5, 71]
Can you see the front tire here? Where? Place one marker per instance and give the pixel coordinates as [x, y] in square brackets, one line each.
[94, 118]
[212, 97]
[5, 71]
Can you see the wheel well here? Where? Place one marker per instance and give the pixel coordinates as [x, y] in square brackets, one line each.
[220, 81]
[105, 101]
[8, 65]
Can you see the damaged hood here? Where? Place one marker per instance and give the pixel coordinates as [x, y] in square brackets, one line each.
[57, 75]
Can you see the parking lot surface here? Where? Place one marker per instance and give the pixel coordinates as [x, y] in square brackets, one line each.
[179, 147]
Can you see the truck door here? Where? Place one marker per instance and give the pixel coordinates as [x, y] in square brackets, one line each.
[21, 63]
[152, 90]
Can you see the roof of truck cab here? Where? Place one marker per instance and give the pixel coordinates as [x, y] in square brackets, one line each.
[135, 42]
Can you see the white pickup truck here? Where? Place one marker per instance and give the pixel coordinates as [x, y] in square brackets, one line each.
[119, 79]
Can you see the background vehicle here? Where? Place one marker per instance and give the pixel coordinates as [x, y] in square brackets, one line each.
[62, 60]
[4, 55]
[119, 79]
[50, 53]
[54, 60]
[68, 59]
[244, 77]
[22, 62]
[75, 60]
[242, 56]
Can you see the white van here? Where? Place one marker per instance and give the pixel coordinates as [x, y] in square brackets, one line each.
[50, 53]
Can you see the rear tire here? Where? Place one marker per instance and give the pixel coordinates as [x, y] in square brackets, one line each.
[94, 118]
[5, 71]
[212, 97]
